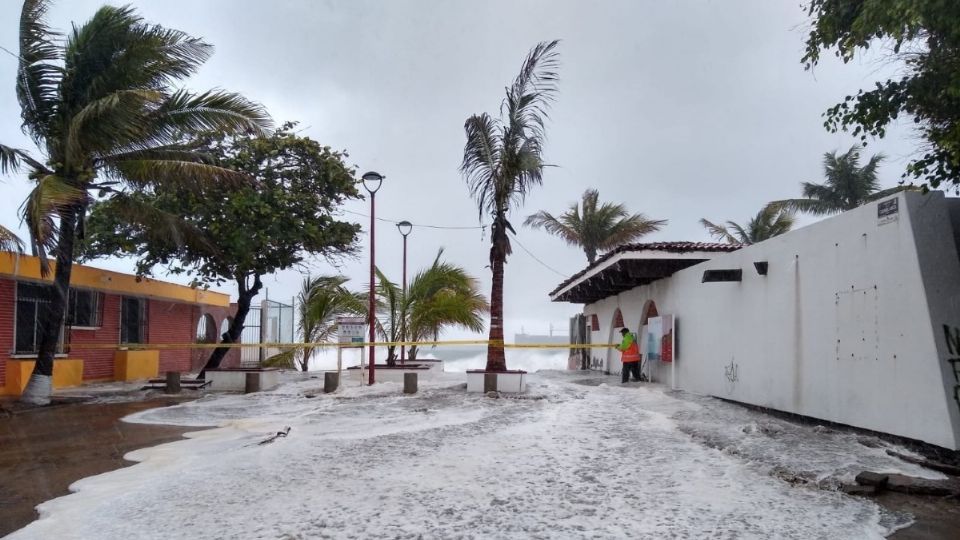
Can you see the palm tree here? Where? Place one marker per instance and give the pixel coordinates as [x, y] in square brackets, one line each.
[321, 300]
[847, 186]
[441, 295]
[770, 221]
[100, 102]
[595, 228]
[502, 162]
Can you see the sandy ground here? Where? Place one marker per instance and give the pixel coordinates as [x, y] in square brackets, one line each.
[577, 457]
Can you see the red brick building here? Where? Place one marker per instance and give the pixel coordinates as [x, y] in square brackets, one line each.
[106, 309]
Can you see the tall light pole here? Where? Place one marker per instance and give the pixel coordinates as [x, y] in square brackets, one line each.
[404, 227]
[372, 182]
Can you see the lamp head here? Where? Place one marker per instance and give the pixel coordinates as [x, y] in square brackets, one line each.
[405, 227]
[372, 181]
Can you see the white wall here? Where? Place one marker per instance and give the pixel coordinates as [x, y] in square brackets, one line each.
[847, 326]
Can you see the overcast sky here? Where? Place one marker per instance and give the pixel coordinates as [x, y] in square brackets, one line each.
[681, 109]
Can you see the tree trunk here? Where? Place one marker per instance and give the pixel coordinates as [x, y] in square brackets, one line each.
[236, 327]
[496, 361]
[52, 313]
[391, 355]
[591, 254]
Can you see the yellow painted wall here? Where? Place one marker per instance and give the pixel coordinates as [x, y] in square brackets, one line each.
[86, 277]
[135, 365]
[66, 372]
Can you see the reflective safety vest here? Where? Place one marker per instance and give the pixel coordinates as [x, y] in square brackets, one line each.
[630, 350]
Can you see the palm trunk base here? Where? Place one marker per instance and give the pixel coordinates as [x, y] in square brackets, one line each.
[38, 390]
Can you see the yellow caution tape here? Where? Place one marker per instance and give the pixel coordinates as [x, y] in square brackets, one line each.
[322, 345]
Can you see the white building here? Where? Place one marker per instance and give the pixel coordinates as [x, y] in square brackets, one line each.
[854, 319]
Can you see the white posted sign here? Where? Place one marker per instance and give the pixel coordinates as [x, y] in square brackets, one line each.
[351, 330]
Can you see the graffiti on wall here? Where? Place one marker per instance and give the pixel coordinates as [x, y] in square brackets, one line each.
[731, 372]
[952, 335]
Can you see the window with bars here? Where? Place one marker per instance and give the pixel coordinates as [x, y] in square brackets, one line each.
[133, 320]
[85, 309]
[33, 301]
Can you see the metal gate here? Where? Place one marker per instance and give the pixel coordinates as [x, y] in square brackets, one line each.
[270, 322]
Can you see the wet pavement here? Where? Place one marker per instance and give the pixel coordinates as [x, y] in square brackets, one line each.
[44, 450]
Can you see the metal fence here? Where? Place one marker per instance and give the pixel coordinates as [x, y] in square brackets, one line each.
[270, 322]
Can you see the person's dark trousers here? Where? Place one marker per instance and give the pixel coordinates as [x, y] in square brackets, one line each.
[628, 368]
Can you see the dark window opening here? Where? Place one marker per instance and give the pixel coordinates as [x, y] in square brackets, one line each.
[33, 301]
[722, 275]
[85, 309]
[133, 320]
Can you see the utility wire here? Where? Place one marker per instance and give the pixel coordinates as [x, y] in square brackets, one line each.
[473, 228]
[545, 265]
[481, 227]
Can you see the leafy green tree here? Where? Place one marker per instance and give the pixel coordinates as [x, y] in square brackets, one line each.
[595, 227]
[439, 296]
[502, 162]
[847, 185]
[102, 106]
[923, 36]
[258, 228]
[770, 221]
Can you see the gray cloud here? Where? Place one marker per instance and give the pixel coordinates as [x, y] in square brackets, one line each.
[682, 110]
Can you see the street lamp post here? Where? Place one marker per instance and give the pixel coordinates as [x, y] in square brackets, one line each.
[372, 182]
[404, 227]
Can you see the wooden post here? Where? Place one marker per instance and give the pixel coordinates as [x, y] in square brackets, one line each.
[331, 381]
[409, 383]
[252, 383]
[173, 382]
[489, 382]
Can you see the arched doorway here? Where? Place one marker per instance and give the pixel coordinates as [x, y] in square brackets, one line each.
[613, 355]
[206, 329]
[649, 310]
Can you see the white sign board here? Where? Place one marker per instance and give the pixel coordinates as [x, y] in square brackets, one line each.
[351, 330]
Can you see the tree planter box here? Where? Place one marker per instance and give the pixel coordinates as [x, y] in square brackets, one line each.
[387, 373]
[66, 372]
[514, 381]
[136, 365]
[235, 379]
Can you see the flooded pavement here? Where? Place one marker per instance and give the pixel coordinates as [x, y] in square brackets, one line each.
[44, 450]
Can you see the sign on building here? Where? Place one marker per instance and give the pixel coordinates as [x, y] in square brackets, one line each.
[658, 342]
[888, 211]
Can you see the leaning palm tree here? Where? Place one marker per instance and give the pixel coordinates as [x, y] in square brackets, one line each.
[439, 296]
[595, 227]
[100, 103]
[502, 162]
[847, 185]
[321, 300]
[770, 221]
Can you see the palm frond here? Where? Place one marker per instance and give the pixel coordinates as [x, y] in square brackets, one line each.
[211, 111]
[552, 225]
[10, 241]
[11, 158]
[38, 72]
[49, 198]
[481, 160]
[190, 175]
[719, 232]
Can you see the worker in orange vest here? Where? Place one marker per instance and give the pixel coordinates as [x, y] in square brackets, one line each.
[629, 356]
